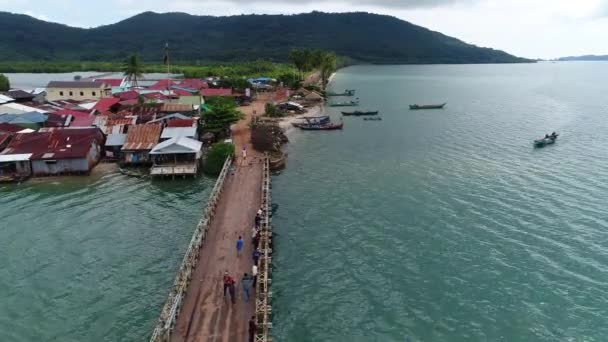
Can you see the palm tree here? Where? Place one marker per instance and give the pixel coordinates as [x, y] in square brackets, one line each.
[133, 69]
[328, 66]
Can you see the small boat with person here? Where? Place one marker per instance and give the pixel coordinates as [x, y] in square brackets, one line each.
[360, 113]
[347, 92]
[428, 106]
[547, 140]
[345, 104]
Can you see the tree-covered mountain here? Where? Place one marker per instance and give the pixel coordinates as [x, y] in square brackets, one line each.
[362, 37]
[585, 58]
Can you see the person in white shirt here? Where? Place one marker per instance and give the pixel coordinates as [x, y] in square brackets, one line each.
[254, 273]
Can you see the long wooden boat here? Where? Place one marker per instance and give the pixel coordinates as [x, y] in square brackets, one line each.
[347, 92]
[372, 119]
[360, 113]
[430, 106]
[325, 127]
[312, 120]
[345, 104]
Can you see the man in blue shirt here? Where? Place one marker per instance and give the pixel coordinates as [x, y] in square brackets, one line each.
[239, 246]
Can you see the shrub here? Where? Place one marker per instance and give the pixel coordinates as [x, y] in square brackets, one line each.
[216, 157]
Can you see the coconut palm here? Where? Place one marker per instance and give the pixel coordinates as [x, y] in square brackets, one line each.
[133, 69]
[328, 66]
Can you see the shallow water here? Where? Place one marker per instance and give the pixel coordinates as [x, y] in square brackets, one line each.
[91, 258]
[447, 225]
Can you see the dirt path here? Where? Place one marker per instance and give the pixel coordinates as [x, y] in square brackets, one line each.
[206, 315]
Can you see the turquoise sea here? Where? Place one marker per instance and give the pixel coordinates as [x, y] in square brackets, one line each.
[91, 258]
[442, 225]
[446, 225]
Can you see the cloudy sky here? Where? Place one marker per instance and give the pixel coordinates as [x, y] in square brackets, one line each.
[528, 28]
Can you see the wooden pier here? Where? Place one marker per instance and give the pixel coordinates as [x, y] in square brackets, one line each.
[196, 309]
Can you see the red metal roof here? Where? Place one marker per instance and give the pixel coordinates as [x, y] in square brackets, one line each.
[10, 128]
[176, 108]
[216, 92]
[193, 83]
[112, 82]
[181, 123]
[57, 144]
[57, 120]
[79, 119]
[162, 85]
[142, 137]
[156, 96]
[128, 103]
[104, 105]
[4, 136]
[128, 95]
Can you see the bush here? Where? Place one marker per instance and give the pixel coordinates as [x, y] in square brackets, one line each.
[4, 83]
[272, 111]
[216, 157]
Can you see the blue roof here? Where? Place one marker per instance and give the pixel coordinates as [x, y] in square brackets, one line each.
[27, 118]
[260, 80]
[184, 89]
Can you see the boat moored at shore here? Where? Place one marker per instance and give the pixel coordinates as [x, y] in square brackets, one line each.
[347, 92]
[345, 104]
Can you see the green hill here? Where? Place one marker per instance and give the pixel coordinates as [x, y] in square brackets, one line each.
[362, 37]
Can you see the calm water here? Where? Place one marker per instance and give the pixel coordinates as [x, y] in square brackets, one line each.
[447, 225]
[91, 259]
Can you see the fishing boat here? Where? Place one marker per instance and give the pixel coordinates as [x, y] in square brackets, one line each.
[429, 106]
[345, 104]
[360, 113]
[347, 92]
[311, 120]
[547, 140]
[325, 127]
[372, 119]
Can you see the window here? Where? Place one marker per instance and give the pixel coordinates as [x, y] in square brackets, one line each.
[93, 93]
[71, 94]
[60, 93]
[82, 93]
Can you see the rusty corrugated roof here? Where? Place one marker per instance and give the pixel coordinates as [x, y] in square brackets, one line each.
[142, 137]
[176, 108]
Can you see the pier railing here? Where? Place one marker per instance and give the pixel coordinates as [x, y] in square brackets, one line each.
[263, 310]
[168, 315]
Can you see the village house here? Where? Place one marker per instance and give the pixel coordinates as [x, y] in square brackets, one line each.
[141, 139]
[58, 152]
[176, 128]
[77, 90]
[20, 96]
[179, 156]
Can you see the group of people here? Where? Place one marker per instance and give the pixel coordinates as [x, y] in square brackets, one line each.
[248, 281]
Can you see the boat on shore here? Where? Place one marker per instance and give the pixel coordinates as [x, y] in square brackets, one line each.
[347, 92]
[547, 140]
[311, 120]
[325, 127]
[360, 113]
[428, 106]
[345, 104]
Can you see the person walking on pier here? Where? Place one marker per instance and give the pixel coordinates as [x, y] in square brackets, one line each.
[246, 283]
[252, 328]
[229, 285]
[254, 274]
[256, 256]
[239, 246]
[244, 152]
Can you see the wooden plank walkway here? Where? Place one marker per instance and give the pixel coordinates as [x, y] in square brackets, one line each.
[205, 314]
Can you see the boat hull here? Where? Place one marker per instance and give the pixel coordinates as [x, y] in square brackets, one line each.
[438, 106]
[329, 127]
[356, 113]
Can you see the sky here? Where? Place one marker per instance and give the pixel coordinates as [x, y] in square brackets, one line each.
[526, 28]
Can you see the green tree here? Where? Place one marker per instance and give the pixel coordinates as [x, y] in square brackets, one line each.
[217, 157]
[328, 66]
[133, 69]
[5, 85]
[297, 57]
[221, 115]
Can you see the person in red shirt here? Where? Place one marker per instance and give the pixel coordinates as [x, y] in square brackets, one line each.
[229, 284]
